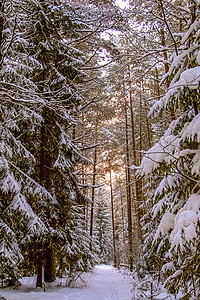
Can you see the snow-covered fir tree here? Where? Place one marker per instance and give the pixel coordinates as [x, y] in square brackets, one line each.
[41, 205]
[51, 29]
[18, 220]
[171, 224]
[103, 226]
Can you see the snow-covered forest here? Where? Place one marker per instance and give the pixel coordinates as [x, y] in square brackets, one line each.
[100, 145]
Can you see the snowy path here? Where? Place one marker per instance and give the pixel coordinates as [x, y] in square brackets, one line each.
[106, 283]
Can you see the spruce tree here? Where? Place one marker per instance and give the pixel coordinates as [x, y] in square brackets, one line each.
[173, 164]
[103, 227]
[18, 101]
[51, 29]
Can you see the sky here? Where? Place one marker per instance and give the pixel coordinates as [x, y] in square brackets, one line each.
[121, 3]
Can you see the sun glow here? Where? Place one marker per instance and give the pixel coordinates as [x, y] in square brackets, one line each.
[107, 179]
[107, 182]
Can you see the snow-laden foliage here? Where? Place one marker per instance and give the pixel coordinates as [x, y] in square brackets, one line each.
[148, 288]
[189, 79]
[16, 161]
[171, 224]
[103, 228]
[10, 252]
[41, 89]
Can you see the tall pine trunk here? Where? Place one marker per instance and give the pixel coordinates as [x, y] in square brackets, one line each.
[39, 264]
[165, 54]
[148, 124]
[113, 218]
[128, 189]
[93, 193]
[49, 264]
[123, 227]
[48, 149]
[138, 183]
[93, 185]
[193, 11]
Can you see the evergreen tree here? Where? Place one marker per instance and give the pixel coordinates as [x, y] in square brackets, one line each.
[173, 165]
[46, 54]
[18, 102]
[103, 227]
[51, 29]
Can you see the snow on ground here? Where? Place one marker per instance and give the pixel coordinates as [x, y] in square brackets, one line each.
[105, 283]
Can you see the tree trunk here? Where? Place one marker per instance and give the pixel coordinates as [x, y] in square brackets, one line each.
[149, 133]
[113, 219]
[138, 183]
[128, 190]
[157, 83]
[49, 265]
[93, 190]
[193, 9]
[165, 54]
[47, 149]
[84, 179]
[39, 264]
[42, 178]
[122, 214]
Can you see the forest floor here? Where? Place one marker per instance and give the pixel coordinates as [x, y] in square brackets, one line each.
[104, 283]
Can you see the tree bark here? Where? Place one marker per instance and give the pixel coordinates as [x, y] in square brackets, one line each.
[149, 133]
[39, 264]
[128, 190]
[49, 265]
[93, 188]
[138, 183]
[165, 54]
[47, 149]
[122, 214]
[113, 218]
[193, 9]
